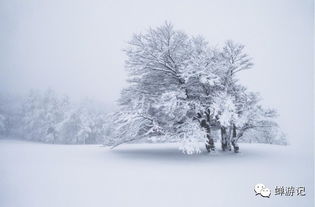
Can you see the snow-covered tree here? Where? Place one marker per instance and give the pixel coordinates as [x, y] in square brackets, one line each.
[161, 94]
[180, 89]
[41, 113]
[47, 117]
[9, 114]
[2, 124]
[81, 125]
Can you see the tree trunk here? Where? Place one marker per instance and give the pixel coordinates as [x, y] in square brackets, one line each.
[234, 140]
[209, 143]
[205, 123]
[223, 138]
[228, 139]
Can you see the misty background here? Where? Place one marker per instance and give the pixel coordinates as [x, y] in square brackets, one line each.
[75, 48]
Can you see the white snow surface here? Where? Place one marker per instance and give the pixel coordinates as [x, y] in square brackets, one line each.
[150, 175]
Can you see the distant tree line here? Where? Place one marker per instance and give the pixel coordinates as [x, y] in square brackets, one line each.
[46, 117]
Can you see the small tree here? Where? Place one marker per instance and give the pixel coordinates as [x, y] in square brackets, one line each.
[3, 125]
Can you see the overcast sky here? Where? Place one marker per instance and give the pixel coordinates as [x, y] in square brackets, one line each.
[75, 47]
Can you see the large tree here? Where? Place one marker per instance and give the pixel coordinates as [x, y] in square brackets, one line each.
[180, 89]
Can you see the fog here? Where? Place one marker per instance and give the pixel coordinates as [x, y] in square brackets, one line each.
[75, 47]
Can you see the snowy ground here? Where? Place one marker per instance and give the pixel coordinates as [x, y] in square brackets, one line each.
[42, 175]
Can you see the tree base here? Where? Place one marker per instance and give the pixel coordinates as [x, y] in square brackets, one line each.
[210, 148]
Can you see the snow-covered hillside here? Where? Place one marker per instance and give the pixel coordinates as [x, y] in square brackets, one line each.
[150, 175]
